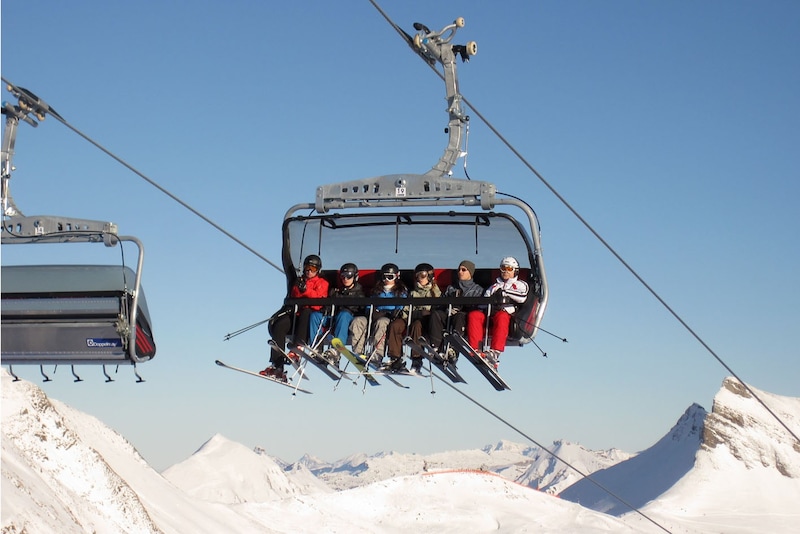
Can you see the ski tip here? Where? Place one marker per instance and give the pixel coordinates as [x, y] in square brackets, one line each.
[218, 362]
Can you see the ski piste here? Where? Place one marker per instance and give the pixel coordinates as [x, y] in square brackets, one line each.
[422, 348]
[316, 359]
[482, 365]
[296, 362]
[269, 378]
[338, 345]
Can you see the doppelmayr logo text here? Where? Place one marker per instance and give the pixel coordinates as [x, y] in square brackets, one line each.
[103, 343]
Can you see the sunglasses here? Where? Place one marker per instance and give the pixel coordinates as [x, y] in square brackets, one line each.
[310, 268]
[389, 276]
[507, 268]
[347, 275]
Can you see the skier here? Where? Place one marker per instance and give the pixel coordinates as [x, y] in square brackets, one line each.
[308, 285]
[425, 286]
[349, 286]
[388, 320]
[509, 292]
[465, 286]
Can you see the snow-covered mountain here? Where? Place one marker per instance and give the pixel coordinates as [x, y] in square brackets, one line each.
[228, 472]
[647, 475]
[551, 475]
[733, 470]
[527, 465]
[64, 471]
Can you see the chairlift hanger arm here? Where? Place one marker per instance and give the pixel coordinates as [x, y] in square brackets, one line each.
[434, 47]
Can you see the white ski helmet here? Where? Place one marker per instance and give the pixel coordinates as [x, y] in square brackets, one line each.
[511, 262]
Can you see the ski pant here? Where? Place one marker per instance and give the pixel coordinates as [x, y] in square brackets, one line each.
[499, 325]
[420, 327]
[340, 328]
[438, 323]
[281, 328]
[383, 328]
[315, 322]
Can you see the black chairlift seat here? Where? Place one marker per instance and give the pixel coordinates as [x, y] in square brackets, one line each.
[73, 314]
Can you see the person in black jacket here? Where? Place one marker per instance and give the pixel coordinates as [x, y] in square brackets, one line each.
[348, 286]
[454, 318]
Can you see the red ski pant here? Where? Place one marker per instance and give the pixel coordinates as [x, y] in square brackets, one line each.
[499, 323]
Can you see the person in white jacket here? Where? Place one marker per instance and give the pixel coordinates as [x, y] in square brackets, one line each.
[510, 292]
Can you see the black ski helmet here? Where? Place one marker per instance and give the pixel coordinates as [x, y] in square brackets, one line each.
[423, 267]
[390, 268]
[313, 259]
[350, 269]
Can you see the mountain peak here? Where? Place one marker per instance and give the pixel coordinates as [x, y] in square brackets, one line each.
[740, 425]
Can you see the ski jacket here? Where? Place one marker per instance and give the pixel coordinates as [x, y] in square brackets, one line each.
[390, 309]
[430, 290]
[316, 288]
[513, 289]
[356, 290]
[463, 288]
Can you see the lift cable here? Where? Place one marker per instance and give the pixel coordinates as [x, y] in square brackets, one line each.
[600, 238]
[159, 187]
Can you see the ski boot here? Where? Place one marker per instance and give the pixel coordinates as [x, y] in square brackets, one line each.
[332, 357]
[274, 372]
[492, 357]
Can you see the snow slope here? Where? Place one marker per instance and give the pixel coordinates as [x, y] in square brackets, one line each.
[734, 471]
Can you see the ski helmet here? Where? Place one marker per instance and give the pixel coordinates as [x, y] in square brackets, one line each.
[350, 270]
[510, 261]
[314, 260]
[425, 268]
[390, 268]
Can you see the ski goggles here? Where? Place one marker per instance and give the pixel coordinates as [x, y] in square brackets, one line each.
[422, 274]
[507, 268]
[389, 276]
[310, 268]
[347, 274]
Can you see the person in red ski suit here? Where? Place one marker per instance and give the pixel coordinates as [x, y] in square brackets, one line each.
[510, 291]
[308, 285]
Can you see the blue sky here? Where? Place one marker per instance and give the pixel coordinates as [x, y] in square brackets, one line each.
[671, 127]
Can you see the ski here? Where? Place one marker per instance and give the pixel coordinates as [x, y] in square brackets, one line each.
[338, 345]
[316, 359]
[271, 379]
[296, 362]
[488, 371]
[424, 349]
[378, 370]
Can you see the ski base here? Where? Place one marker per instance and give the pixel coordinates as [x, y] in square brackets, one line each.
[424, 349]
[475, 359]
[269, 378]
[316, 359]
[338, 345]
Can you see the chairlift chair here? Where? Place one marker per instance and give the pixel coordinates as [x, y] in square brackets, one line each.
[411, 218]
[66, 314]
